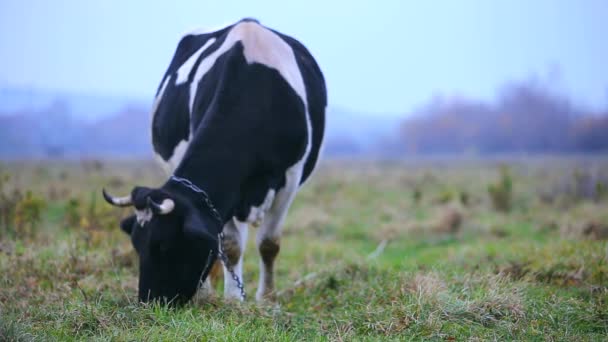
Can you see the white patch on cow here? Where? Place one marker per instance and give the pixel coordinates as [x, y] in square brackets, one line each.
[184, 69]
[178, 154]
[143, 216]
[260, 46]
[266, 47]
[256, 214]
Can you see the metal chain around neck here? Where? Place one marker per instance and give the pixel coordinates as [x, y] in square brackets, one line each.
[187, 183]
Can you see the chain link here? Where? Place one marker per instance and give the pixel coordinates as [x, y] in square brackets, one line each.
[187, 183]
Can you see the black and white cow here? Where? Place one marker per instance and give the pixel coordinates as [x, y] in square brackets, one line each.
[240, 114]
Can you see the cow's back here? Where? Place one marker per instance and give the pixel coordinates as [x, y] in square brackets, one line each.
[183, 101]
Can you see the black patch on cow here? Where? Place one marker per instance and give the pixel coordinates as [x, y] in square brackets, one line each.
[127, 224]
[251, 127]
[171, 121]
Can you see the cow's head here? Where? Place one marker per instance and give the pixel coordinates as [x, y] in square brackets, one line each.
[176, 243]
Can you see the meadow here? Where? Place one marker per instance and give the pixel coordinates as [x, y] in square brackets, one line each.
[430, 249]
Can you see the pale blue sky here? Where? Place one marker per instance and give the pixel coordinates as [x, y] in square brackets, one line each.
[377, 56]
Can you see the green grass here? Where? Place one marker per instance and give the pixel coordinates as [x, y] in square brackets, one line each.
[360, 259]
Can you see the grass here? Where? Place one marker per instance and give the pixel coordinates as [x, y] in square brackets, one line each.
[371, 251]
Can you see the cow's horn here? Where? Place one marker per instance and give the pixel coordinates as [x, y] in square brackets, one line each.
[163, 208]
[117, 201]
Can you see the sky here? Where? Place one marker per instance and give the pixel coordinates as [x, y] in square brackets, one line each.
[377, 56]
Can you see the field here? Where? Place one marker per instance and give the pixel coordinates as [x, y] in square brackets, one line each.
[510, 249]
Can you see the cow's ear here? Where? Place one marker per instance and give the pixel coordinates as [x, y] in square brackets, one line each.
[127, 224]
[196, 227]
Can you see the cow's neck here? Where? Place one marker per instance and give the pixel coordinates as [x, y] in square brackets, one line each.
[218, 174]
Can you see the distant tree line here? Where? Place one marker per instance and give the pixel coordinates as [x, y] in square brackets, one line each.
[52, 132]
[527, 117]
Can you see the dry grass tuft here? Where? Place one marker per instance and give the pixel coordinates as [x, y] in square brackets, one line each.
[394, 230]
[514, 270]
[448, 221]
[592, 229]
[426, 285]
[499, 301]
[124, 256]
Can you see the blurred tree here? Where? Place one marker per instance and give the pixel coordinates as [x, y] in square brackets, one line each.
[528, 117]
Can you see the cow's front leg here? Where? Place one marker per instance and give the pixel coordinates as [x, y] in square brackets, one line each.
[235, 238]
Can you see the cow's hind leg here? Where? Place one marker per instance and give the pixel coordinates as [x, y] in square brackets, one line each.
[235, 239]
[268, 247]
[268, 237]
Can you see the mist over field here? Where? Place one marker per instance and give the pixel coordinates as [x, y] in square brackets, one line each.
[527, 117]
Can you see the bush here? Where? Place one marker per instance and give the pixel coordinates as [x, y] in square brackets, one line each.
[417, 195]
[445, 196]
[8, 202]
[28, 214]
[464, 198]
[580, 185]
[72, 216]
[601, 191]
[501, 193]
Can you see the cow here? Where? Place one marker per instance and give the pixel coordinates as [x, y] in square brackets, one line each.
[237, 123]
